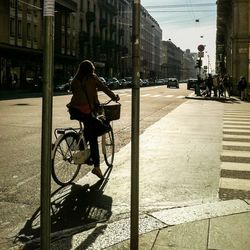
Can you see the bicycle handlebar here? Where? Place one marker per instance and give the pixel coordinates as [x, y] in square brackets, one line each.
[105, 103]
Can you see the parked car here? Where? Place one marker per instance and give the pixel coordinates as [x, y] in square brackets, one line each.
[102, 80]
[159, 82]
[129, 81]
[173, 82]
[123, 83]
[63, 87]
[113, 83]
[191, 83]
[145, 82]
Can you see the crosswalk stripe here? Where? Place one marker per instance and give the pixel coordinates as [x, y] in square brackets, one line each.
[168, 95]
[237, 184]
[180, 96]
[235, 156]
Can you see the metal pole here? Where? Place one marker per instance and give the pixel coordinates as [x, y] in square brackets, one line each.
[134, 220]
[47, 123]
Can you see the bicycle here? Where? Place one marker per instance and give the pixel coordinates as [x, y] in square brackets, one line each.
[71, 150]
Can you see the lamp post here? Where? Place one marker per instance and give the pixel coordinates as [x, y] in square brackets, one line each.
[208, 62]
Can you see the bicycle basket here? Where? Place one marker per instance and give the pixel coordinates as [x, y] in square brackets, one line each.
[112, 111]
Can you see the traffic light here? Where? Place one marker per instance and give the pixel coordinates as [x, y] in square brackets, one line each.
[198, 63]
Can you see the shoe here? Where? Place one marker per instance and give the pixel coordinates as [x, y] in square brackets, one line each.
[97, 171]
[89, 161]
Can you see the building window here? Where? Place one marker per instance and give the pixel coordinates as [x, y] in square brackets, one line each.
[20, 6]
[35, 33]
[81, 25]
[12, 3]
[81, 5]
[28, 31]
[12, 27]
[19, 29]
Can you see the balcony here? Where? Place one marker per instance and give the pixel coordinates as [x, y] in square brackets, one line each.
[90, 16]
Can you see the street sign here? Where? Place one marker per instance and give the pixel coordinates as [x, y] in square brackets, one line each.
[201, 54]
[201, 47]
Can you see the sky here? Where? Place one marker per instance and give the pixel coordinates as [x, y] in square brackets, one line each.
[188, 23]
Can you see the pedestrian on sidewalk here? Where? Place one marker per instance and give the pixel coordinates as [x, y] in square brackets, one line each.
[221, 86]
[215, 85]
[226, 86]
[209, 85]
[242, 87]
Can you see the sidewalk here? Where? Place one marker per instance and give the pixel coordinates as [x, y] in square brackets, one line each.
[216, 224]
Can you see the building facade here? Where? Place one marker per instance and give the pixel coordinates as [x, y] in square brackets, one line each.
[98, 30]
[21, 41]
[151, 36]
[233, 39]
[188, 65]
[171, 60]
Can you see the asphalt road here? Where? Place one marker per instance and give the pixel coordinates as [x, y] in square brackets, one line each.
[20, 137]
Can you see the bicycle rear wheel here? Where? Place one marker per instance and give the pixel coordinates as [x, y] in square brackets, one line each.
[64, 170]
[108, 147]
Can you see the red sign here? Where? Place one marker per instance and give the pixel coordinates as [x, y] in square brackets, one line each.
[201, 47]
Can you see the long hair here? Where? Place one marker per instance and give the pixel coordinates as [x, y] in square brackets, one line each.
[86, 69]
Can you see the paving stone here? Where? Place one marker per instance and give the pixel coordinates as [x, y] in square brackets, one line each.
[230, 232]
[200, 212]
[184, 236]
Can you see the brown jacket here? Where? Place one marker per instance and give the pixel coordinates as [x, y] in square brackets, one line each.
[85, 93]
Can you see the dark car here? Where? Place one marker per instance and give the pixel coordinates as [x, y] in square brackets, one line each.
[113, 83]
[63, 87]
[172, 82]
[191, 83]
[123, 83]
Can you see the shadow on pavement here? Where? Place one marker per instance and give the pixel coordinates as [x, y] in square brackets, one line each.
[23, 94]
[230, 100]
[74, 209]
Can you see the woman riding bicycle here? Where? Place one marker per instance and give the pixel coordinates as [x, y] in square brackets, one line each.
[84, 88]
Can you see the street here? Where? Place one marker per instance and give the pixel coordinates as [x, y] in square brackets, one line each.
[20, 168]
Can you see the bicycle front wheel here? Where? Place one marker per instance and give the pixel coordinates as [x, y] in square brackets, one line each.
[108, 147]
[64, 170]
